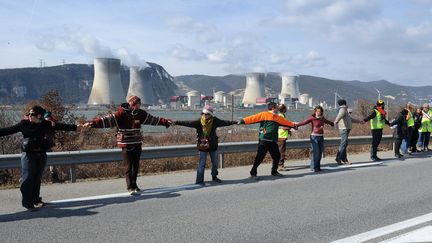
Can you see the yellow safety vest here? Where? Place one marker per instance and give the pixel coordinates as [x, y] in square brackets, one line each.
[281, 132]
[410, 120]
[378, 121]
[426, 125]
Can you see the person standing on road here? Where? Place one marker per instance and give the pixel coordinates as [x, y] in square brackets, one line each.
[401, 131]
[268, 136]
[283, 134]
[417, 124]
[128, 120]
[406, 148]
[34, 146]
[207, 141]
[317, 121]
[426, 127]
[377, 120]
[344, 122]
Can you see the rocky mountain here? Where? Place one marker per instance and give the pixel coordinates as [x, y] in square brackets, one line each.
[73, 81]
[321, 89]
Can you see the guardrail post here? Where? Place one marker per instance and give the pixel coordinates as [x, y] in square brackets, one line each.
[72, 171]
[221, 160]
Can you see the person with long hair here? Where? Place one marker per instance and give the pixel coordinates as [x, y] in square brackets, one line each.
[317, 121]
[207, 141]
[36, 142]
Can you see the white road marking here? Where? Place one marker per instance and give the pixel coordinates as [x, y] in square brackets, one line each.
[420, 235]
[126, 194]
[387, 229]
[351, 166]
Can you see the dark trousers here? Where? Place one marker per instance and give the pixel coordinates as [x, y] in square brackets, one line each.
[317, 145]
[414, 139]
[263, 147]
[398, 143]
[131, 158]
[32, 167]
[376, 139]
[409, 138]
[282, 149]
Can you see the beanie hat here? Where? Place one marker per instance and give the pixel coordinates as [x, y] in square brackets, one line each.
[208, 110]
[134, 99]
[341, 102]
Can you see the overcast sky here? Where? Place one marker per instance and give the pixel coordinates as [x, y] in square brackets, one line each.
[348, 40]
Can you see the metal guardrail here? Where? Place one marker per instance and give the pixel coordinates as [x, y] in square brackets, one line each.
[113, 155]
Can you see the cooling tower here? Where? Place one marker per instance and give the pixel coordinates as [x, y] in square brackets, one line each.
[304, 98]
[107, 87]
[141, 87]
[194, 98]
[310, 101]
[254, 88]
[290, 86]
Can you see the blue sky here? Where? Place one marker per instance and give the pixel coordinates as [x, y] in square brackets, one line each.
[347, 40]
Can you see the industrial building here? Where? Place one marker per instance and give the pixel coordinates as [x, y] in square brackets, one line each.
[254, 88]
[107, 87]
[141, 86]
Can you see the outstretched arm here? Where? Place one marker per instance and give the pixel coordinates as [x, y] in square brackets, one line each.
[10, 130]
[307, 121]
[148, 119]
[65, 127]
[193, 124]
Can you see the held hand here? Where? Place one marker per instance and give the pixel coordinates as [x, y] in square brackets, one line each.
[86, 125]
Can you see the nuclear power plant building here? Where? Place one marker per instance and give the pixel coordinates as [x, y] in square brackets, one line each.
[290, 86]
[254, 88]
[107, 87]
[141, 87]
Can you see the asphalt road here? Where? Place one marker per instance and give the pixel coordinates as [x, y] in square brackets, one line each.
[299, 207]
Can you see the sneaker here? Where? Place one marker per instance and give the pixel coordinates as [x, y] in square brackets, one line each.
[215, 179]
[375, 159]
[398, 156]
[316, 170]
[346, 162]
[201, 183]
[39, 203]
[254, 177]
[338, 161]
[137, 190]
[132, 192]
[31, 209]
[277, 174]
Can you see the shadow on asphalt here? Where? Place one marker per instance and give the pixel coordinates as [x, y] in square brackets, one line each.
[85, 207]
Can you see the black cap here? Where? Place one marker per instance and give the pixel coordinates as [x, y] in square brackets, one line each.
[341, 102]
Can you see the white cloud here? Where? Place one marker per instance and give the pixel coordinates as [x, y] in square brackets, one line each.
[203, 32]
[181, 52]
[217, 56]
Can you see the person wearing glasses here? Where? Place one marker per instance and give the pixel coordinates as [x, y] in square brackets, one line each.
[35, 130]
[207, 141]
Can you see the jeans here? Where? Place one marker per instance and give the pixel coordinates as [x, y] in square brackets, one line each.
[376, 140]
[202, 163]
[317, 144]
[342, 151]
[263, 148]
[424, 140]
[131, 158]
[32, 167]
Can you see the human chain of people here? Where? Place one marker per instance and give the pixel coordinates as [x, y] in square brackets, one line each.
[412, 127]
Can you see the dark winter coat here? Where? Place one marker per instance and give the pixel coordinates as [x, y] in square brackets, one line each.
[401, 131]
[37, 133]
[213, 138]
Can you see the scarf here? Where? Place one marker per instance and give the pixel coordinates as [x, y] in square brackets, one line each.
[207, 125]
[382, 111]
